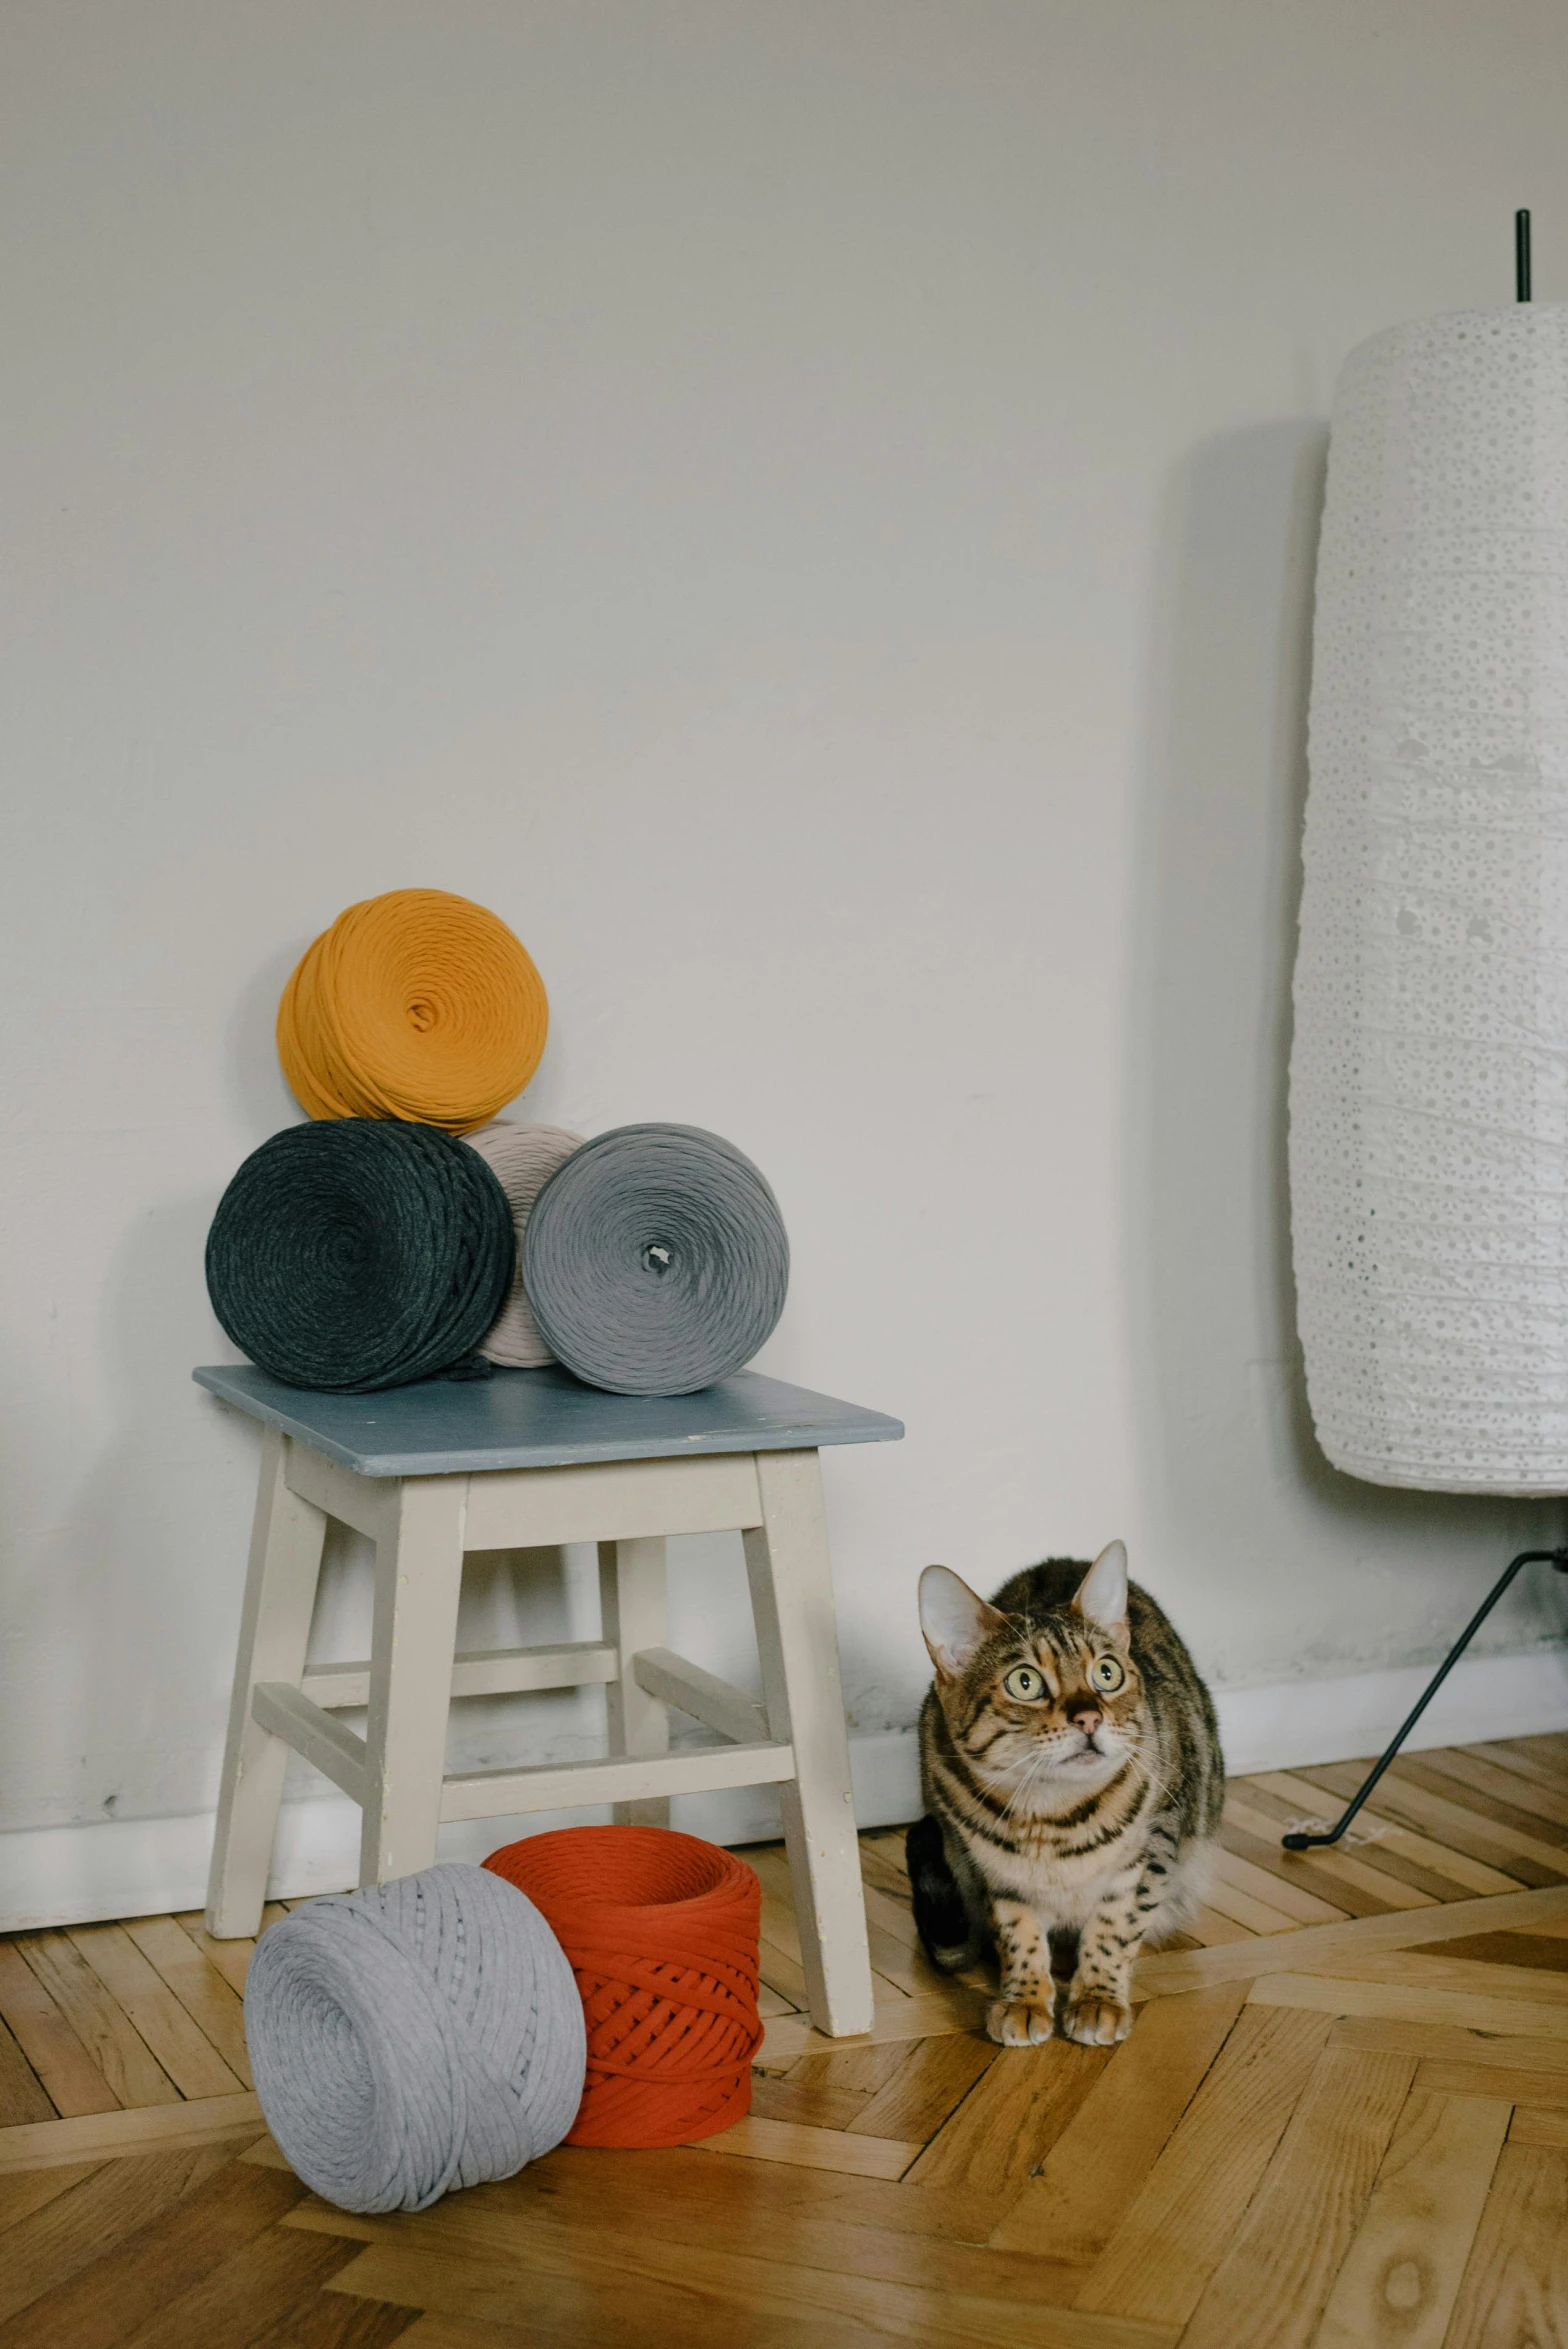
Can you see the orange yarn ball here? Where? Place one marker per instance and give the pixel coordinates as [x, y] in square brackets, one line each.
[661, 1931]
[416, 1005]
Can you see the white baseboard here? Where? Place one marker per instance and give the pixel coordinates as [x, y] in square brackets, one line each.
[141, 1867]
[1299, 1722]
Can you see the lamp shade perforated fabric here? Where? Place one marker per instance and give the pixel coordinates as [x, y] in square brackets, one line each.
[1429, 1071]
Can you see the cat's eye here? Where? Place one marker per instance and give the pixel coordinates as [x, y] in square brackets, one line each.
[1025, 1683]
[1107, 1674]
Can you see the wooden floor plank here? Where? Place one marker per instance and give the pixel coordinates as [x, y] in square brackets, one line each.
[1435, 1969]
[72, 2080]
[1448, 2043]
[956, 2008]
[1515, 2286]
[577, 2310]
[25, 2191]
[1211, 1931]
[755, 2139]
[1546, 1952]
[459, 2332]
[931, 2080]
[1198, 1969]
[1454, 1780]
[880, 1875]
[1439, 1865]
[1011, 2118]
[1535, 2124]
[1540, 2091]
[115, 2135]
[888, 1844]
[681, 2189]
[1089, 2178]
[891, 1957]
[1158, 2262]
[1508, 1754]
[1361, 1883]
[113, 2295]
[816, 2104]
[1532, 1793]
[783, 1975]
[1208, 2174]
[1273, 2282]
[1243, 1908]
[893, 1960]
[231, 1958]
[862, 2226]
[1551, 1749]
[214, 2006]
[145, 1999]
[860, 2065]
[94, 2014]
[1411, 1804]
[1402, 2272]
[1329, 1995]
[247, 2296]
[1275, 1885]
[22, 2096]
[1253, 1835]
[329, 2319]
[502, 2263]
[45, 2251]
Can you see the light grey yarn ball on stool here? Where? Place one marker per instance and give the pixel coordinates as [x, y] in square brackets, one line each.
[656, 1260]
[414, 2037]
[522, 1158]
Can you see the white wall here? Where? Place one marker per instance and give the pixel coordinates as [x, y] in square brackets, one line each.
[806, 507]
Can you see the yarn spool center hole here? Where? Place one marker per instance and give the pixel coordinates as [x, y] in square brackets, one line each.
[658, 1257]
[422, 1016]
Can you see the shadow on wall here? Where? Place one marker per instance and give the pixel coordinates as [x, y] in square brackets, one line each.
[135, 1596]
[1292, 1567]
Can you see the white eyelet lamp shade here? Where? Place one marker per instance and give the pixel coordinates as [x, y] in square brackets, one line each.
[1429, 1072]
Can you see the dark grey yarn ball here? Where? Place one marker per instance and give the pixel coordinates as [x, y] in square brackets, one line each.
[655, 1260]
[358, 1253]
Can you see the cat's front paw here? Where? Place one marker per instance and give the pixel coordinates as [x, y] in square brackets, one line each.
[1018, 2023]
[1096, 2021]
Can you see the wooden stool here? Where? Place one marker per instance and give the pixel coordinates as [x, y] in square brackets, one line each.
[524, 1460]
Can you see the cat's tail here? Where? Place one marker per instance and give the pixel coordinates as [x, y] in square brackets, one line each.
[941, 1916]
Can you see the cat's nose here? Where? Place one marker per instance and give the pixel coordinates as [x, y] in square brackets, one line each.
[1087, 1718]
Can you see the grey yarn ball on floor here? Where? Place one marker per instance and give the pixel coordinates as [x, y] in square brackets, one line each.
[522, 1159]
[414, 2037]
[656, 1260]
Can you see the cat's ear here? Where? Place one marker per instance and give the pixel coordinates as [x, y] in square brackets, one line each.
[1102, 1594]
[955, 1622]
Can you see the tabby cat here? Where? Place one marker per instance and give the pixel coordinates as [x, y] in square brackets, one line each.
[1072, 1775]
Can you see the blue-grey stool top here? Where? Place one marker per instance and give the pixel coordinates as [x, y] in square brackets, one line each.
[541, 1419]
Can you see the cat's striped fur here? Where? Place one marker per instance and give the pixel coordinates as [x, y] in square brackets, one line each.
[1075, 1815]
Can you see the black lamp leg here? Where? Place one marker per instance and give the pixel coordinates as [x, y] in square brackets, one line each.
[1298, 1839]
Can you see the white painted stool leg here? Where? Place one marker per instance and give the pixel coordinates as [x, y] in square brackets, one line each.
[280, 1595]
[792, 1602]
[419, 1575]
[633, 1608]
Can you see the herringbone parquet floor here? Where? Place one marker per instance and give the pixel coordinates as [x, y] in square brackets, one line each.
[1341, 2122]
